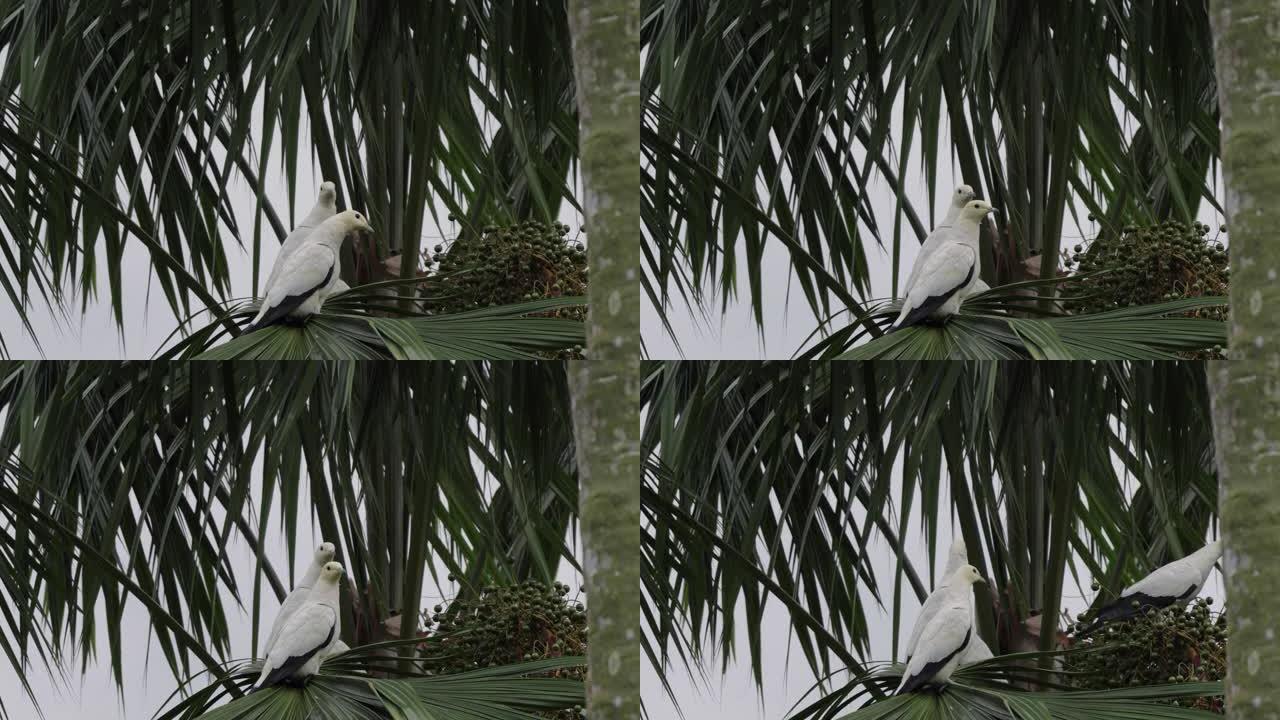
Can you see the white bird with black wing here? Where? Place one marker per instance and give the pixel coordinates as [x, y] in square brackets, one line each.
[326, 207]
[977, 650]
[950, 273]
[298, 595]
[1174, 584]
[310, 274]
[959, 199]
[308, 637]
[956, 558]
[946, 636]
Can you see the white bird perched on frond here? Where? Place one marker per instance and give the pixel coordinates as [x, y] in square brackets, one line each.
[959, 199]
[326, 207]
[310, 274]
[298, 595]
[946, 636]
[976, 650]
[1173, 584]
[950, 273]
[309, 636]
[957, 557]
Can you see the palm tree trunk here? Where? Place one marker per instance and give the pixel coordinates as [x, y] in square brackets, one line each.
[1246, 405]
[1247, 432]
[606, 389]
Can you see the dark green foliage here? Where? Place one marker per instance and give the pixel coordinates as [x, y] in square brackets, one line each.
[511, 624]
[1172, 645]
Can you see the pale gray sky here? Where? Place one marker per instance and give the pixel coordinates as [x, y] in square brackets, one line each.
[148, 681]
[733, 695]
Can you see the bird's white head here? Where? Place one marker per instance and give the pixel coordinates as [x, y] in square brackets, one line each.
[975, 210]
[356, 221]
[966, 575]
[336, 229]
[963, 194]
[328, 193]
[325, 553]
[331, 572]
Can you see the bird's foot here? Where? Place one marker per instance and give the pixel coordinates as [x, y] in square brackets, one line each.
[296, 322]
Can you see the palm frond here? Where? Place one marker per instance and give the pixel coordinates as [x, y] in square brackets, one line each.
[352, 331]
[1003, 688]
[513, 692]
[999, 330]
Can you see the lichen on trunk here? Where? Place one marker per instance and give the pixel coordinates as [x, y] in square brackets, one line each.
[1246, 389]
[606, 387]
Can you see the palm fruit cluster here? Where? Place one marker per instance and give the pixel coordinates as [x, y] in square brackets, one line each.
[1148, 265]
[512, 264]
[507, 625]
[1171, 645]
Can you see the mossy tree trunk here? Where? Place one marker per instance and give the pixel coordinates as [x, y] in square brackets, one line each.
[1246, 389]
[606, 387]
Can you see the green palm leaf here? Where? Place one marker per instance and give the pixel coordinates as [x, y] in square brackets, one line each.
[512, 692]
[989, 331]
[1001, 688]
[350, 332]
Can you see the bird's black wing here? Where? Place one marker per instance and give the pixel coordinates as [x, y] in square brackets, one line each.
[930, 669]
[1122, 607]
[292, 664]
[288, 305]
[933, 302]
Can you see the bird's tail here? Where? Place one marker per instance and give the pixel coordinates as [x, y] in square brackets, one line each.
[902, 317]
[1108, 613]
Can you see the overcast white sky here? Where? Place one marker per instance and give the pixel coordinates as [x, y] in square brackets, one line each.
[148, 681]
[734, 695]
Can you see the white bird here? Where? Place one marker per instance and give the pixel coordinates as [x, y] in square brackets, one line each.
[310, 274]
[959, 199]
[1173, 584]
[337, 649]
[298, 595]
[326, 207]
[309, 636]
[950, 273]
[946, 636]
[976, 651]
[956, 558]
